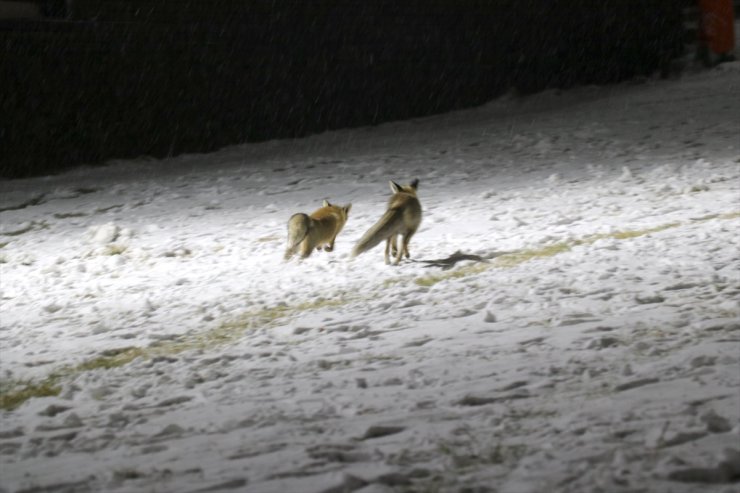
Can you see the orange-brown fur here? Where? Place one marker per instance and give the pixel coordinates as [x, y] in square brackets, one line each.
[402, 218]
[320, 229]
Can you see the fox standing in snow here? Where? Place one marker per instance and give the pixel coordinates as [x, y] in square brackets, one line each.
[314, 231]
[402, 218]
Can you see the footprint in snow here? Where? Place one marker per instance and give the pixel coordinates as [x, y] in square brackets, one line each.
[232, 484]
[461, 313]
[345, 453]
[418, 342]
[483, 400]
[603, 342]
[170, 431]
[19, 229]
[174, 401]
[378, 431]
[650, 299]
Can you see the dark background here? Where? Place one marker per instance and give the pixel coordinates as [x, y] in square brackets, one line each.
[115, 79]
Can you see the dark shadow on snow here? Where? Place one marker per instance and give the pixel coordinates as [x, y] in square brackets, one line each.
[448, 263]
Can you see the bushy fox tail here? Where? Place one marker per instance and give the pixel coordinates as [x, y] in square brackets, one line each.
[298, 225]
[388, 224]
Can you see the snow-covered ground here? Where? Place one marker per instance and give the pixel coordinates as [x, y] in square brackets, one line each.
[588, 339]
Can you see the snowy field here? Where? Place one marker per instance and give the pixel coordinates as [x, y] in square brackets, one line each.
[569, 320]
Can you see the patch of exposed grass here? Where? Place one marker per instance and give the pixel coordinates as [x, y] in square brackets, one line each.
[110, 359]
[392, 281]
[114, 249]
[15, 393]
[19, 392]
[232, 330]
[630, 233]
[730, 215]
[516, 258]
[322, 303]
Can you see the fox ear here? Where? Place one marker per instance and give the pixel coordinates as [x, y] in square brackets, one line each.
[347, 208]
[415, 184]
[395, 187]
[326, 203]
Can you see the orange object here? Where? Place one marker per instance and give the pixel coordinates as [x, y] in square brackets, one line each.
[717, 26]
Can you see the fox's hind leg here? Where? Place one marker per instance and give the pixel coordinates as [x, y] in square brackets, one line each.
[394, 248]
[390, 243]
[306, 248]
[406, 241]
[399, 249]
[330, 246]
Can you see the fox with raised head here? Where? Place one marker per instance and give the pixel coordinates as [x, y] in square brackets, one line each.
[402, 218]
[309, 232]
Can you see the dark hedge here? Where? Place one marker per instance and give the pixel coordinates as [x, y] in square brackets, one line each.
[160, 77]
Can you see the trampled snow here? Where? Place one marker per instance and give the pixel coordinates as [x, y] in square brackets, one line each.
[569, 319]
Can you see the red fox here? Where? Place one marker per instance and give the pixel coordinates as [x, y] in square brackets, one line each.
[402, 218]
[314, 231]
